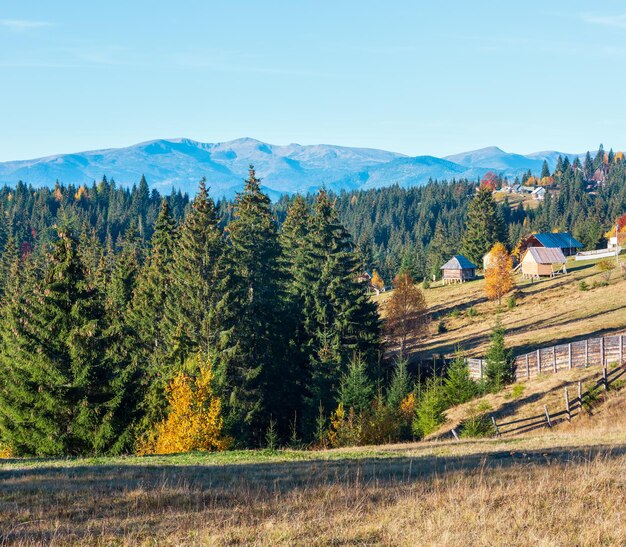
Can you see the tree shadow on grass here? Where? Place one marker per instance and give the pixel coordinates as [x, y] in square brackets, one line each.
[71, 499]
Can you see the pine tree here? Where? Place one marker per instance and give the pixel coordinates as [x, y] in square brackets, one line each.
[458, 385]
[356, 390]
[484, 226]
[339, 318]
[198, 278]
[545, 170]
[499, 368]
[146, 313]
[254, 378]
[400, 385]
[58, 395]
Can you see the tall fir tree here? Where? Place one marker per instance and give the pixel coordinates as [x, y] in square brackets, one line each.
[198, 277]
[59, 395]
[484, 227]
[253, 377]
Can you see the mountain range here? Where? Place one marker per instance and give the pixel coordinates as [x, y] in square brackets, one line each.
[180, 163]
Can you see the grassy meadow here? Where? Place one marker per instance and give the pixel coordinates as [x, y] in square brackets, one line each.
[557, 487]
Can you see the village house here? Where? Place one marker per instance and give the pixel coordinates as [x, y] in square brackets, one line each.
[458, 270]
[562, 240]
[539, 193]
[540, 262]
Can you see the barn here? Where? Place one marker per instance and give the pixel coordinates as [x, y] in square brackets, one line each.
[458, 270]
[542, 262]
[563, 241]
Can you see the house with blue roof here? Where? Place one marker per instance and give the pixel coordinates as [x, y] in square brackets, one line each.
[562, 240]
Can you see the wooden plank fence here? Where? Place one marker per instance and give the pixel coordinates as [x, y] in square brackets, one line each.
[574, 402]
[585, 353]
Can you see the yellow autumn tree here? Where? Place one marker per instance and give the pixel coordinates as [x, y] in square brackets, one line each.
[194, 420]
[499, 276]
[377, 281]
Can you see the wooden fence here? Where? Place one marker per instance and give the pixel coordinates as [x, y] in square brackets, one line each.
[585, 353]
[573, 404]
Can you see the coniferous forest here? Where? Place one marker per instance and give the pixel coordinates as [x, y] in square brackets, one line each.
[119, 304]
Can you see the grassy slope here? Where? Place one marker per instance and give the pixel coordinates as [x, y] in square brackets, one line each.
[550, 488]
[547, 312]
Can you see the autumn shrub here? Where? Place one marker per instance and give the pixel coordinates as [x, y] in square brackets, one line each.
[5, 451]
[194, 421]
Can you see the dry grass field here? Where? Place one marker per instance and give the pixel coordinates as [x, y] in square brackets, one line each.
[564, 487]
[547, 312]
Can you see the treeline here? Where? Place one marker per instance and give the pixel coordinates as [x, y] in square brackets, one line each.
[105, 345]
[420, 228]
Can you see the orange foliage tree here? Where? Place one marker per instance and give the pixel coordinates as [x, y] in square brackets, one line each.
[406, 311]
[490, 180]
[194, 420]
[499, 276]
[377, 281]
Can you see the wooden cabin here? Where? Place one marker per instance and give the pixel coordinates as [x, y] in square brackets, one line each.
[540, 262]
[458, 270]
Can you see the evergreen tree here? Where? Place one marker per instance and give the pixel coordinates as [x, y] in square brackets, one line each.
[59, 390]
[499, 369]
[146, 313]
[198, 277]
[400, 385]
[484, 226]
[356, 390]
[458, 385]
[545, 170]
[254, 379]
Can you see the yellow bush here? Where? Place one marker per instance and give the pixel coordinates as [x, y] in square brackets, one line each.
[5, 451]
[194, 421]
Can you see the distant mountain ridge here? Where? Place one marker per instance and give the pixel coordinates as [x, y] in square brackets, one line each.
[180, 163]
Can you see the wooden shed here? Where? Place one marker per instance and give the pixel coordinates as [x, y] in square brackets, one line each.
[543, 262]
[458, 270]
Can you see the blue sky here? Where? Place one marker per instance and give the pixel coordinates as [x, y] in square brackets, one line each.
[413, 77]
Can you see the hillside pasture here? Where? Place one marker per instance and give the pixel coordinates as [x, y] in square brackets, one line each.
[546, 312]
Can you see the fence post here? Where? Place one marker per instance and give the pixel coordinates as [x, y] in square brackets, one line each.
[604, 379]
[480, 367]
[567, 410]
[456, 436]
[586, 353]
[495, 425]
[580, 396]
[545, 408]
[621, 349]
[569, 356]
[538, 361]
[554, 357]
[527, 367]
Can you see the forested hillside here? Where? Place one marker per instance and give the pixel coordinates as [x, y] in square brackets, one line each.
[125, 315]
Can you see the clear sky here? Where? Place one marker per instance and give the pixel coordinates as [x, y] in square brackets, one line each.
[413, 77]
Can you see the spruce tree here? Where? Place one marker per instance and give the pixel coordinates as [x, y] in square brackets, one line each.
[198, 278]
[499, 368]
[58, 393]
[484, 227]
[253, 376]
[339, 319]
[146, 313]
[457, 384]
